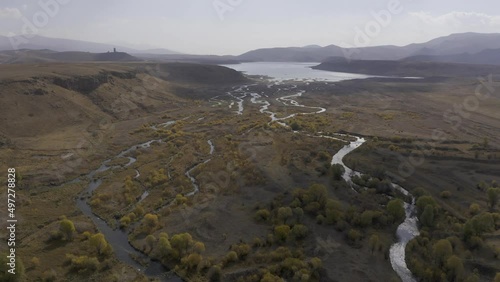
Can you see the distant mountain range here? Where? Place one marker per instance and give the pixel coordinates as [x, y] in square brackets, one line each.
[47, 56]
[65, 45]
[465, 48]
[472, 48]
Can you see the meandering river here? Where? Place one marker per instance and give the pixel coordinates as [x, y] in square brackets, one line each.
[279, 72]
[116, 237]
[406, 231]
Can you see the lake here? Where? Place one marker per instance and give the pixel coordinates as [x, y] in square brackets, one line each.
[292, 71]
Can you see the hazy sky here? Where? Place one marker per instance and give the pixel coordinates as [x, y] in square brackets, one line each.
[236, 26]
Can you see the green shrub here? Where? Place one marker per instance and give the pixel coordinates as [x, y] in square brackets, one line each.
[354, 235]
[192, 261]
[284, 213]
[180, 199]
[454, 268]
[48, 276]
[295, 126]
[83, 263]
[262, 215]
[150, 222]
[442, 250]
[230, 257]
[493, 197]
[337, 171]
[374, 243]
[124, 221]
[333, 211]
[395, 208]
[181, 242]
[257, 242]
[427, 216]
[281, 232]
[98, 241]
[67, 228]
[242, 250]
[478, 225]
[215, 273]
[474, 209]
[445, 194]
[423, 201]
[299, 231]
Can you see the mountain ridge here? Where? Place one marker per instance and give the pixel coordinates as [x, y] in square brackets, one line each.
[469, 48]
[50, 56]
[457, 43]
[38, 42]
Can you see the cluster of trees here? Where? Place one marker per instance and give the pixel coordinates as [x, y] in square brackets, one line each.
[477, 226]
[447, 242]
[287, 220]
[180, 199]
[312, 200]
[99, 198]
[100, 245]
[175, 131]
[288, 228]
[156, 178]
[278, 251]
[181, 250]
[284, 232]
[132, 216]
[315, 202]
[438, 260]
[381, 185]
[82, 264]
[131, 189]
[308, 123]
[101, 250]
[284, 264]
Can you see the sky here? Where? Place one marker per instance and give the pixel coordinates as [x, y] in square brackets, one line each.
[232, 27]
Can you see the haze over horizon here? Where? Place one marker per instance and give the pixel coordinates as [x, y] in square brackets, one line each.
[232, 27]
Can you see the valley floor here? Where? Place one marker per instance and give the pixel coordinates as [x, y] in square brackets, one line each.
[238, 185]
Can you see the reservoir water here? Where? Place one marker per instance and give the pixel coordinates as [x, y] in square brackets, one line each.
[292, 71]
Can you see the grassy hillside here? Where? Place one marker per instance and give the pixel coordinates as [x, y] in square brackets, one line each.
[47, 107]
